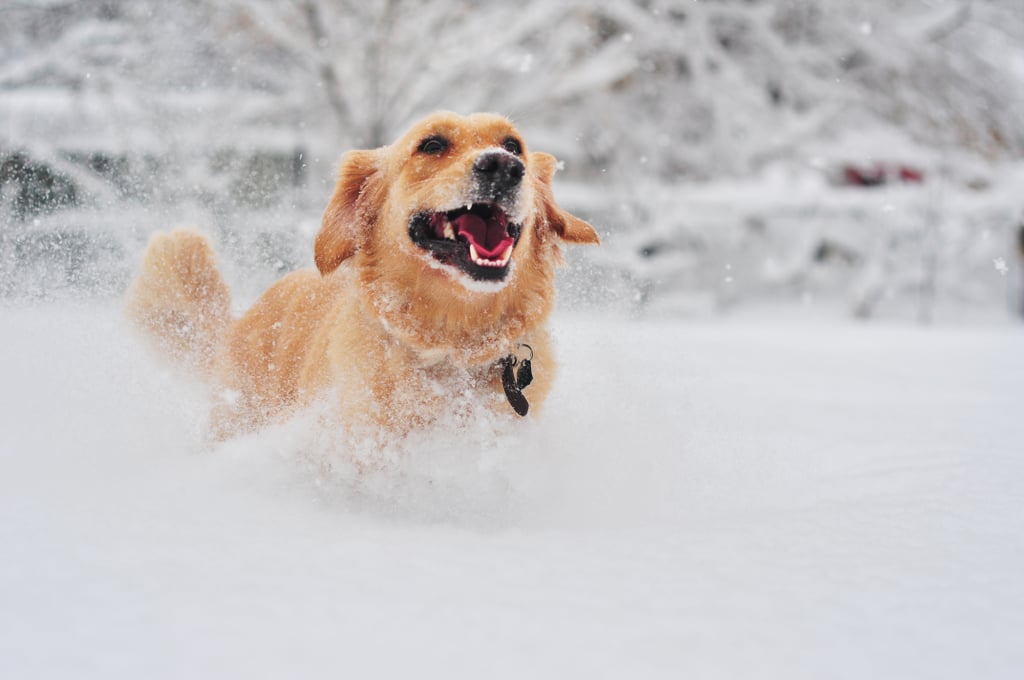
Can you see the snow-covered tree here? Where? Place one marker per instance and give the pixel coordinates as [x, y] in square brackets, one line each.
[241, 108]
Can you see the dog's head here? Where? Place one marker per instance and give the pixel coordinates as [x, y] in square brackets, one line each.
[457, 209]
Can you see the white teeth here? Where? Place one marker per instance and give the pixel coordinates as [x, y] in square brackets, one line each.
[500, 262]
[469, 206]
[449, 233]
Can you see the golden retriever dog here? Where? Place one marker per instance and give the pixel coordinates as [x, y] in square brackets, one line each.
[435, 279]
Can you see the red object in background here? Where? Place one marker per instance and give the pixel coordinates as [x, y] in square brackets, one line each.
[909, 174]
[863, 177]
[881, 173]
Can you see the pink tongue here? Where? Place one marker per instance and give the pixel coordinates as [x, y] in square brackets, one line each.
[488, 237]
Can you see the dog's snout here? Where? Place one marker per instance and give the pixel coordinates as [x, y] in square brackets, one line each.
[500, 170]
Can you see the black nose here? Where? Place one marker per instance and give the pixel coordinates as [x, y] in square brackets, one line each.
[498, 172]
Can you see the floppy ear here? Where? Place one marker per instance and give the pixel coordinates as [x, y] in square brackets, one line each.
[352, 210]
[568, 227]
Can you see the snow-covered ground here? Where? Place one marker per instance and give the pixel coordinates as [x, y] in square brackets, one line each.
[719, 499]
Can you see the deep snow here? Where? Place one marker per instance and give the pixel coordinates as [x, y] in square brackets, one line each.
[711, 500]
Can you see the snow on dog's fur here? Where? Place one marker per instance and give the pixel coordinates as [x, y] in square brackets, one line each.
[436, 260]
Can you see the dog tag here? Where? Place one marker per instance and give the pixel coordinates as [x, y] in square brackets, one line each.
[513, 392]
[524, 376]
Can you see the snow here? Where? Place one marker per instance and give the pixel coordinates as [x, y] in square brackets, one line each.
[719, 499]
[232, 117]
[761, 488]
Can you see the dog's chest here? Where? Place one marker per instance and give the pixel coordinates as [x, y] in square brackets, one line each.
[431, 358]
[439, 376]
[442, 395]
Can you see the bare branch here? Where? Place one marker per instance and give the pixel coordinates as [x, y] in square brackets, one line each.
[325, 68]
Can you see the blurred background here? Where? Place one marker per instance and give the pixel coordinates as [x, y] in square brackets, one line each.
[853, 158]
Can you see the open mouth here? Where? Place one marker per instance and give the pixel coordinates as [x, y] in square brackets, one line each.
[477, 238]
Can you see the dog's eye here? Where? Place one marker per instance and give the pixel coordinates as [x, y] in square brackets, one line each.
[512, 145]
[433, 145]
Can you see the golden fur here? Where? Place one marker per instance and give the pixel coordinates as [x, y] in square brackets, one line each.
[389, 331]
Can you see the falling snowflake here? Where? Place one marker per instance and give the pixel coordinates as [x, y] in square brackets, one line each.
[1000, 265]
